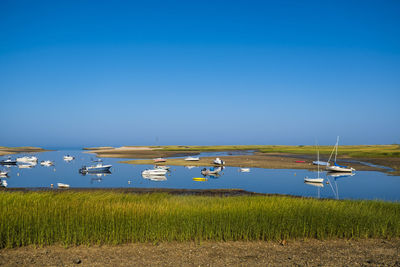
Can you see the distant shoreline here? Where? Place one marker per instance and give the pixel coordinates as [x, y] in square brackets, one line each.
[264, 156]
[16, 150]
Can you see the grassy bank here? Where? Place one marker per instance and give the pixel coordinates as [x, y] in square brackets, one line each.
[14, 150]
[104, 217]
[350, 151]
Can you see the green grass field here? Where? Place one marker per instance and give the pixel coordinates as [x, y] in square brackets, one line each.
[350, 151]
[106, 217]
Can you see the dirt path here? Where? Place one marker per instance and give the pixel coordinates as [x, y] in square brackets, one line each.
[369, 252]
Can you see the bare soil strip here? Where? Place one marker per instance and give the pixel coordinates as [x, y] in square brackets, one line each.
[366, 252]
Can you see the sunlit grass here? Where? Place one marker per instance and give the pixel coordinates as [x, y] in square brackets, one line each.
[351, 151]
[103, 217]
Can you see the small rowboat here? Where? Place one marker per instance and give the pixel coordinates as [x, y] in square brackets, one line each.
[159, 160]
[199, 179]
[300, 161]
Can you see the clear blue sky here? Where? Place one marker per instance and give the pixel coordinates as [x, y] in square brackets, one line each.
[80, 73]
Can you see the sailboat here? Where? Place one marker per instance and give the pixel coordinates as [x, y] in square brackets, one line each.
[314, 180]
[336, 167]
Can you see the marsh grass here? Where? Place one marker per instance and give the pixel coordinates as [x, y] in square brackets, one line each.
[103, 217]
[351, 151]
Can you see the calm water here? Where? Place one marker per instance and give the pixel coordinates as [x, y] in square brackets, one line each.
[363, 185]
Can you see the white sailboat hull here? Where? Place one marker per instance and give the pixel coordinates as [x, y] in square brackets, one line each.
[313, 180]
[339, 169]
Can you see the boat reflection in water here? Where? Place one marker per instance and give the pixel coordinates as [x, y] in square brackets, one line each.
[318, 185]
[336, 176]
[96, 173]
[154, 177]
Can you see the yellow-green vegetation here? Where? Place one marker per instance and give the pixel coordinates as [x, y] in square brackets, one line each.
[24, 149]
[350, 151]
[106, 217]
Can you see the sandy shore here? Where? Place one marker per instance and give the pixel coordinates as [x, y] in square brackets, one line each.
[145, 155]
[259, 160]
[16, 150]
[365, 252]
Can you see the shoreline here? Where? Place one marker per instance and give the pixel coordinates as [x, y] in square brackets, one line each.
[17, 150]
[263, 156]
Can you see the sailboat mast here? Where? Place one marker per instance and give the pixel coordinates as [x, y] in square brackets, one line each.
[318, 159]
[336, 147]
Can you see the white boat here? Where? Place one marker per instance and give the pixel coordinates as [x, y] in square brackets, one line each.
[25, 159]
[97, 168]
[218, 161]
[210, 171]
[3, 173]
[336, 167]
[321, 163]
[68, 158]
[314, 180]
[46, 163]
[192, 158]
[3, 183]
[162, 167]
[154, 172]
[244, 169]
[159, 160]
[61, 185]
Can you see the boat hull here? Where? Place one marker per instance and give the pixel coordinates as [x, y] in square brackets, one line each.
[313, 180]
[5, 162]
[339, 169]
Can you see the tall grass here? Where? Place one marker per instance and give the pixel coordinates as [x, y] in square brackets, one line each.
[103, 217]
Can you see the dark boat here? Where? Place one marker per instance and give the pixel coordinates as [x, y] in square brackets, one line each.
[8, 161]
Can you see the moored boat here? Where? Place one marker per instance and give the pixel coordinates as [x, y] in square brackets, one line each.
[61, 185]
[211, 171]
[68, 158]
[320, 163]
[162, 167]
[97, 168]
[3, 183]
[244, 169]
[314, 180]
[218, 161]
[192, 158]
[46, 163]
[336, 167]
[159, 160]
[8, 161]
[200, 179]
[26, 159]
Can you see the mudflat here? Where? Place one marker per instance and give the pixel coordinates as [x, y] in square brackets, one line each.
[14, 150]
[258, 160]
[363, 252]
